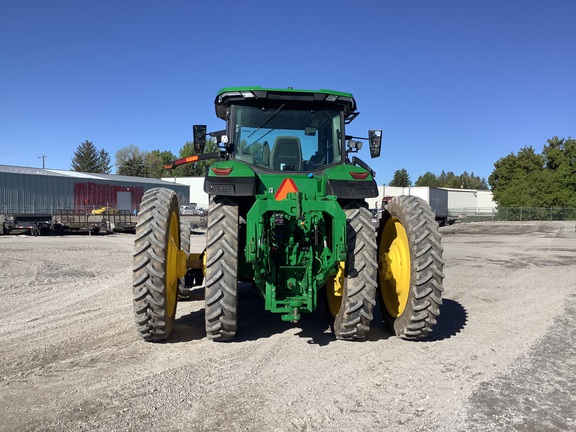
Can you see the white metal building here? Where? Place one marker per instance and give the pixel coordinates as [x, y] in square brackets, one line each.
[196, 185]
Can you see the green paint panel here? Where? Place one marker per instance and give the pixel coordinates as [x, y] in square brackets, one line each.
[294, 246]
[342, 172]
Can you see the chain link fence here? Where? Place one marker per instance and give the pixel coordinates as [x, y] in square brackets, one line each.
[517, 214]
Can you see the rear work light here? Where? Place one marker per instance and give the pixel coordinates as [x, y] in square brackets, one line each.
[222, 171]
[359, 175]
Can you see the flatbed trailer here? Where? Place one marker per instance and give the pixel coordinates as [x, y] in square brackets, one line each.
[78, 221]
[34, 223]
[122, 220]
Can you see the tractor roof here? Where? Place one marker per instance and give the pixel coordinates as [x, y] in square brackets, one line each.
[272, 96]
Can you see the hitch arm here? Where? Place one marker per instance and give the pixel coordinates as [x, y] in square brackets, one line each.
[195, 158]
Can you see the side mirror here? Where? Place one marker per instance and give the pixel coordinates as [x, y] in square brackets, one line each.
[375, 139]
[199, 138]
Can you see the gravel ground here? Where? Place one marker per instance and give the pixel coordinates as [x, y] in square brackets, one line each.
[502, 356]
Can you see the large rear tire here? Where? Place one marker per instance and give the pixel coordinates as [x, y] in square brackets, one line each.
[221, 281]
[358, 280]
[410, 267]
[156, 259]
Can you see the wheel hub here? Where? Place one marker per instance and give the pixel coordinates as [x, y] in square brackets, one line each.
[394, 267]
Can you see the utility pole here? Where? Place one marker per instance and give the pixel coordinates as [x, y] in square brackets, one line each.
[43, 157]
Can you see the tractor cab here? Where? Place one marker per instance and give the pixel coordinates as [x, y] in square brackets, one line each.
[284, 139]
[286, 129]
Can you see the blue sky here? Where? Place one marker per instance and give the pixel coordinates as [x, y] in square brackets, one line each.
[454, 85]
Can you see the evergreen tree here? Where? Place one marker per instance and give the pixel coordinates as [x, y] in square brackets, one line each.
[401, 178]
[428, 179]
[104, 162]
[86, 158]
[131, 162]
[134, 166]
[453, 181]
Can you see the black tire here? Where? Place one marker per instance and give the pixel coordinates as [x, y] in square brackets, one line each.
[221, 292]
[360, 281]
[155, 285]
[183, 291]
[410, 293]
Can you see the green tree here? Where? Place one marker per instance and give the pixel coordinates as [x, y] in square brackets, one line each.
[473, 182]
[401, 178]
[453, 181]
[130, 161]
[428, 179]
[87, 158]
[135, 166]
[560, 171]
[517, 180]
[155, 161]
[195, 169]
[126, 153]
[104, 162]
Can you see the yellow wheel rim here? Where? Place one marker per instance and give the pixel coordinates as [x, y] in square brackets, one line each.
[204, 263]
[173, 258]
[394, 267]
[334, 290]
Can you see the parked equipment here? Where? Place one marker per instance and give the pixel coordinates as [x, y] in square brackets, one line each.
[437, 198]
[79, 221]
[36, 224]
[288, 213]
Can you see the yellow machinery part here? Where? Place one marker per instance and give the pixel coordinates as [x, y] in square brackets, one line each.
[335, 289]
[394, 266]
[195, 261]
[175, 264]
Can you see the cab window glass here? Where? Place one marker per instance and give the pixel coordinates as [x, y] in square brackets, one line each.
[287, 139]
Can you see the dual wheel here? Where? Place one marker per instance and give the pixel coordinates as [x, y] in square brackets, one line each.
[403, 265]
[159, 266]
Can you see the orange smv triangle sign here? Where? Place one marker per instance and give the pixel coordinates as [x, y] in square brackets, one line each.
[285, 188]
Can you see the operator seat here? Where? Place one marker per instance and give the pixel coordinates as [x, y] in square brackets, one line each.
[266, 154]
[286, 154]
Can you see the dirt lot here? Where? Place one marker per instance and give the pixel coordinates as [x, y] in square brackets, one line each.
[502, 356]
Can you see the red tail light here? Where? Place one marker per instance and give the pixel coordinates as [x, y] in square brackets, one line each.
[222, 171]
[359, 175]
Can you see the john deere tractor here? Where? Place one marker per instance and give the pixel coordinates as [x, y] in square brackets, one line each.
[288, 214]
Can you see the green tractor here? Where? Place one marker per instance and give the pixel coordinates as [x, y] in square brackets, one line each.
[288, 213]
